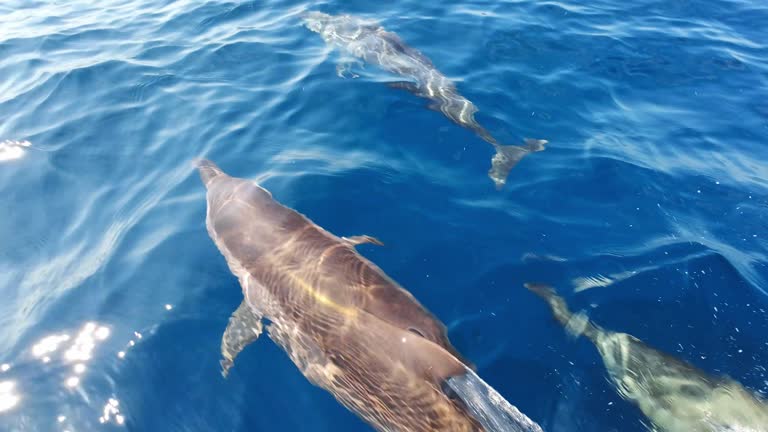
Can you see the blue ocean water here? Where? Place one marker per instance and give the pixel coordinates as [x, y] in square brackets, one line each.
[649, 208]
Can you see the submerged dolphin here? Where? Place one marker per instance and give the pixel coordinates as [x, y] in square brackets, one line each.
[674, 395]
[370, 42]
[348, 327]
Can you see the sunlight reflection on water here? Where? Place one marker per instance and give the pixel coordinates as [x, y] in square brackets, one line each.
[112, 412]
[8, 397]
[80, 352]
[10, 150]
[74, 350]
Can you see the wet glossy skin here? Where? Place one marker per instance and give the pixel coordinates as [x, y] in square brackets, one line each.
[346, 325]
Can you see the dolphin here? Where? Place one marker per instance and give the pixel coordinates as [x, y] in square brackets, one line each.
[674, 395]
[370, 42]
[349, 328]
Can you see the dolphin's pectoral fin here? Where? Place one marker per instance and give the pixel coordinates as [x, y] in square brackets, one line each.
[507, 157]
[244, 327]
[405, 85]
[357, 240]
[344, 68]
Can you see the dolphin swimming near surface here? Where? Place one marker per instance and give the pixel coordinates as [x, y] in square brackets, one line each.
[674, 395]
[370, 42]
[349, 328]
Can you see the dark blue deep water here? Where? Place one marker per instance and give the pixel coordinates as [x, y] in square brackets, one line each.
[649, 208]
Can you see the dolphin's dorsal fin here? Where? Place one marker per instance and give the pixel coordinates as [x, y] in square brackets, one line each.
[357, 240]
[244, 327]
[405, 85]
[401, 46]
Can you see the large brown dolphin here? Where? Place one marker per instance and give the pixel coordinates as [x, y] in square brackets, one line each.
[348, 327]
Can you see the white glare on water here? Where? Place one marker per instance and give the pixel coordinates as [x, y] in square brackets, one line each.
[72, 382]
[8, 397]
[85, 342]
[73, 350]
[48, 344]
[10, 150]
[81, 349]
[112, 412]
[78, 351]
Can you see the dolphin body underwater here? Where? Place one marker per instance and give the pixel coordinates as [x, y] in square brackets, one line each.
[371, 43]
[674, 395]
[349, 328]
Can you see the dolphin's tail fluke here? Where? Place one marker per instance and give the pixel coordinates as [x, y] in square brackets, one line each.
[487, 406]
[208, 170]
[507, 157]
[575, 324]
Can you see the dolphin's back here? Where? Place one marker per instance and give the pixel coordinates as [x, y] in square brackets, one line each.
[675, 395]
[348, 327]
[281, 249]
[397, 45]
[246, 223]
[389, 377]
[343, 269]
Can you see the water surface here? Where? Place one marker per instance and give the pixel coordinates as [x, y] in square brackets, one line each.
[649, 209]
